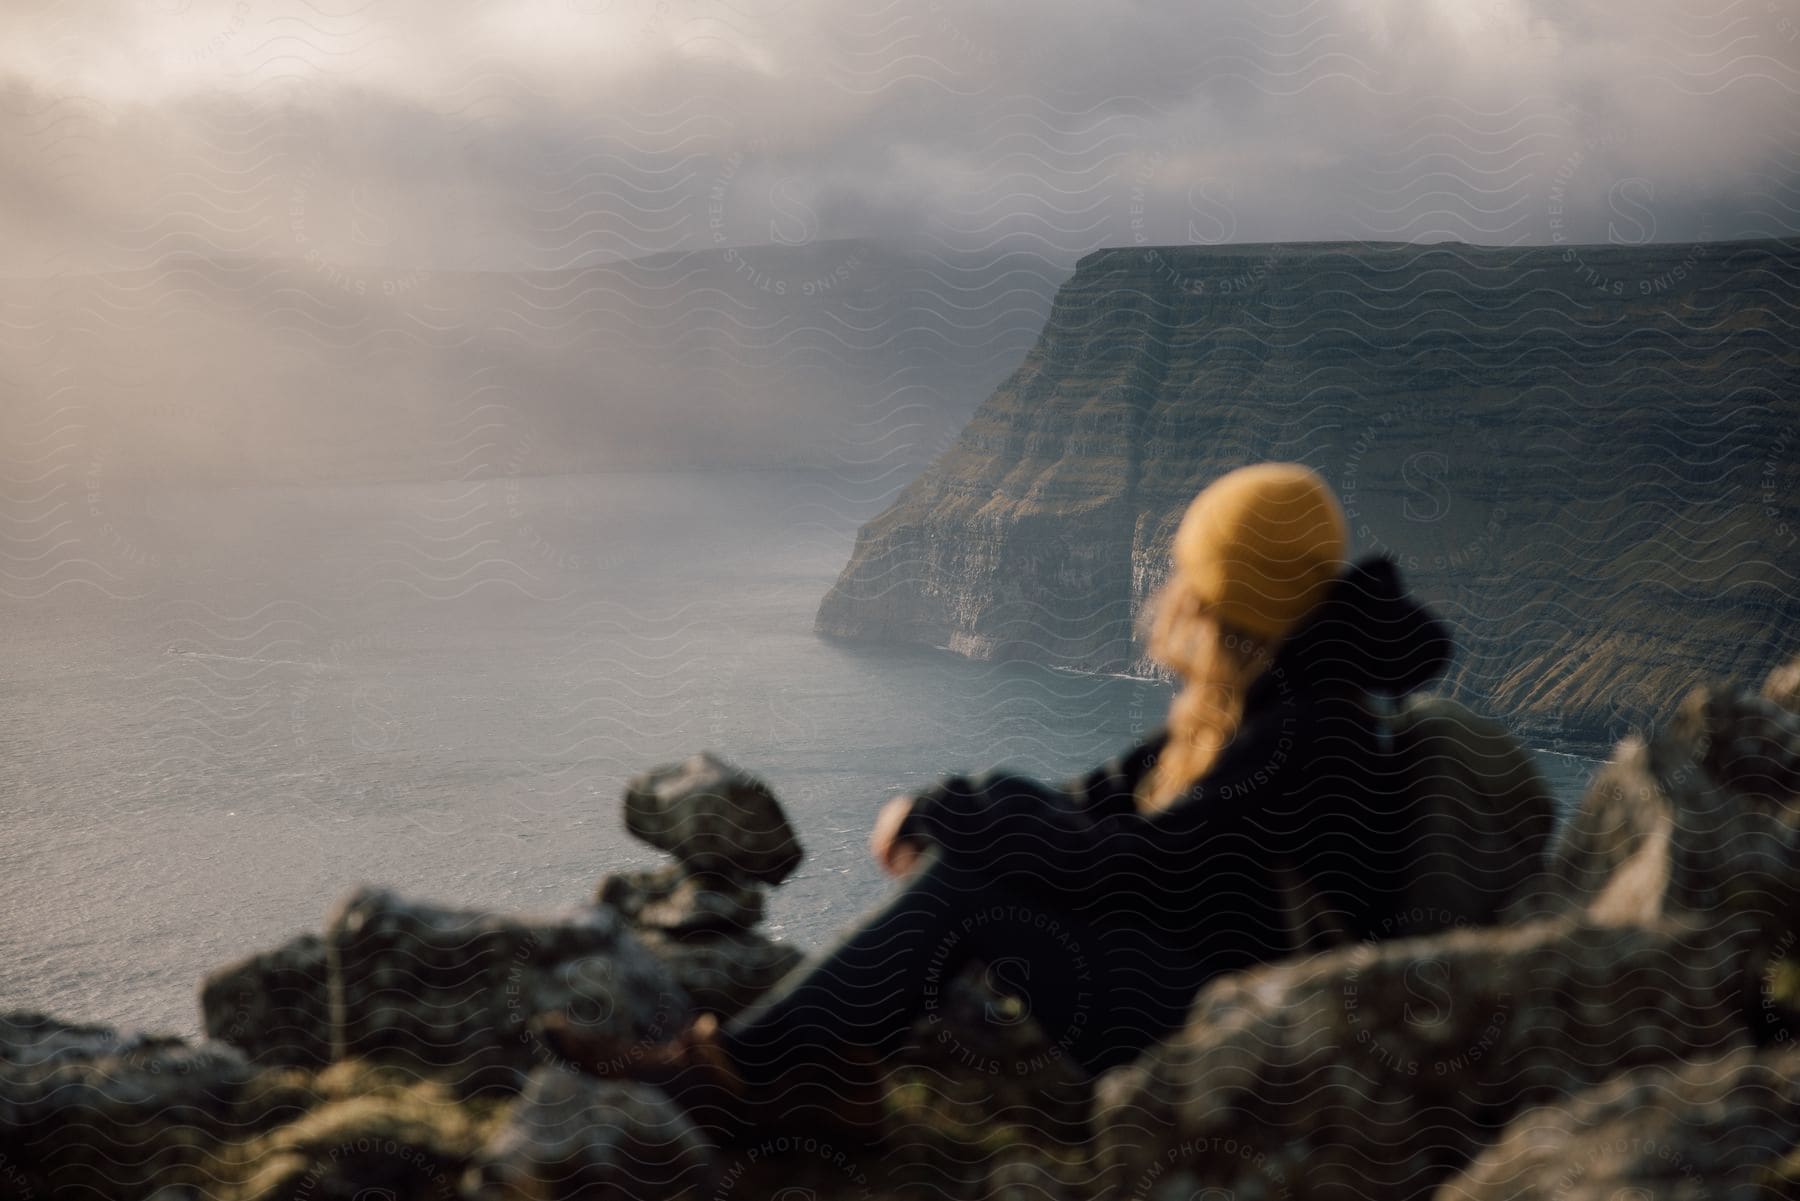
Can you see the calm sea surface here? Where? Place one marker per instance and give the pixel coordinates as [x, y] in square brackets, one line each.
[225, 707]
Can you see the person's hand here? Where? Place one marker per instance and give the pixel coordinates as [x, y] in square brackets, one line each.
[896, 856]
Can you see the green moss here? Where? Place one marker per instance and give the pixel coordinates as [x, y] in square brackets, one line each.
[1784, 983]
[367, 1128]
[1780, 1181]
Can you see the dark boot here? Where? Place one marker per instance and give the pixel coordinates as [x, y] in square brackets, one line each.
[846, 1100]
[693, 1069]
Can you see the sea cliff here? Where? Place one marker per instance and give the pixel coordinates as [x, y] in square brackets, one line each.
[1586, 458]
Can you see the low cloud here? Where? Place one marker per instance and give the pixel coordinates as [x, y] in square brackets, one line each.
[328, 156]
[565, 132]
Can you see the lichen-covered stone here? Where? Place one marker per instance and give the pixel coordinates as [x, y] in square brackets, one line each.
[569, 1136]
[450, 993]
[87, 1112]
[1378, 1070]
[275, 1006]
[1783, 685]
[1703, 819]
[714, 818]
[1704, 1131]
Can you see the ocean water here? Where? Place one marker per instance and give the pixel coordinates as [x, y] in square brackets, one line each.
[223, 708]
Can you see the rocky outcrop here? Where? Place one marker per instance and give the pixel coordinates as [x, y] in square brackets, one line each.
[451, 993]
[702, 927]
[1721, 1128]
[1633, 1030]
[723, 973]
[1561, 469]
[1699, 820]
[1385, 1069]
[274, 1006]
[674, 902]
[1378, 1070]
[101, 1115]
[373, 1056]
[714, 819]
[731, 840]
[571, 1136]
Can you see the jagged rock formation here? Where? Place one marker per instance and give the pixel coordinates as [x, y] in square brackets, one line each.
[1382, 1070]
[452, 993]
[1585, 457]
[731, 840]
[1636, 1032]
[1373, 1072]
[94, 1114]
[1690, 1132]
[1699, 820]
[273, 1006]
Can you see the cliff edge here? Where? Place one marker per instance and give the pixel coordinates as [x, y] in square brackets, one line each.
[1586, 458]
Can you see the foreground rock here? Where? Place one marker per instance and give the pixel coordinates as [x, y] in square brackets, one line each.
[1496, 1061]
[367, 1134]
[1707, 1131]
[570, 1136]
[724, 973]
[1670, 894]
[714, 818]
[1376, 1071]
[451, 992]
[275, 1006]
[671, 900]
[731, 840]
[1703, 819]
[101, 1115]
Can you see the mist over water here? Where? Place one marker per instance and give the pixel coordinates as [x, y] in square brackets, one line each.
[297, 699]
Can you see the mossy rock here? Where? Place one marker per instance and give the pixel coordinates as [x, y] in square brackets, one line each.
[1778, 1021]
[370, 1129]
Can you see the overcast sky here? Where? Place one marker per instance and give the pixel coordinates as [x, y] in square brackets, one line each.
[545, 133]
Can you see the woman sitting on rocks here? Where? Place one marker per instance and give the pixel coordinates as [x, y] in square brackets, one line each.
[1263, 807]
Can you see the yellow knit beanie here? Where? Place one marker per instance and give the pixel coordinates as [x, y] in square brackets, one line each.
[1261, 545]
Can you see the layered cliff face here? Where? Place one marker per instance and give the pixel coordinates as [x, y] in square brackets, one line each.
[1586, 458]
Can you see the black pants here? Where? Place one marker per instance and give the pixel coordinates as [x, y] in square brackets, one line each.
[1100, 991]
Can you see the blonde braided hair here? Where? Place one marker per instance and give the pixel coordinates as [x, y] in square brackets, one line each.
[1217, 664]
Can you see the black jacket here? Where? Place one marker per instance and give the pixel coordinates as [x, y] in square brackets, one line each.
[1303, 788]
